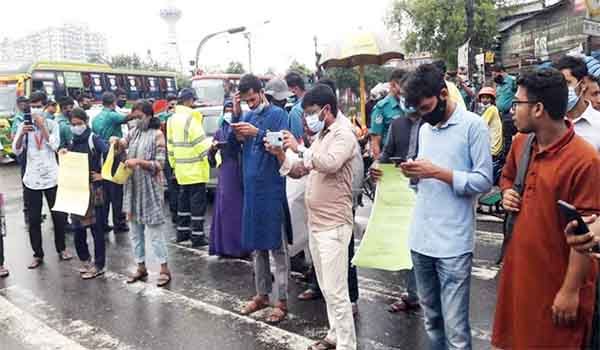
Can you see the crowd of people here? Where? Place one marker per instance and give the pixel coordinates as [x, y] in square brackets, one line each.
[290, 182]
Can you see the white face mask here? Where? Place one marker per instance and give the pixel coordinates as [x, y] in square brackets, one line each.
[37, 111]
[78, 130]
[227, 118]
[314, 124]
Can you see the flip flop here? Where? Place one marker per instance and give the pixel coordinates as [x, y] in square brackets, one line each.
[278, 314]
[37, 262]
[256, 304]
[4, 272]
[322, 344]
[137, 277]
[163, 279]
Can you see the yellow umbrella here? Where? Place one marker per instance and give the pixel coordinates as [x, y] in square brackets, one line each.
[360, 49]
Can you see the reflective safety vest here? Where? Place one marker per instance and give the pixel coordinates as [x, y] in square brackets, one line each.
[187, 146]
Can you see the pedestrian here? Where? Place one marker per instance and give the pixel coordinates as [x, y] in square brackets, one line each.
[328, 164]
[265, 222]
[551, 286]
[226, 227]
[38, 139]
[85, 101]
[50, 110]
[277, 93]
[66, 107]
[592, 91]
[453, 166]
[172, 193]
[453, 90]
[143, 199]
[465, 87]
[296, 84]
[506, 88]
[188, 156]
[109, 124]
[490, 114]
[22, 103]
[586, 120]
[385, 112]
[171, 104]
[403, 143]
[84, 141]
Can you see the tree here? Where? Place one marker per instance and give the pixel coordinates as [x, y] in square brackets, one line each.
[348, 77]
[132, 61]
[439, 26]
[235, 67]
[296, 66]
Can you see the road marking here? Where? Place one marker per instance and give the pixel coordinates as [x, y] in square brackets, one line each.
[76, 330]
[30, 331]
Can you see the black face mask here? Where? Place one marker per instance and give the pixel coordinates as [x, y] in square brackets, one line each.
[437, 115]
[67, 114]
[86, 107]
[499, 79]
[121, 103]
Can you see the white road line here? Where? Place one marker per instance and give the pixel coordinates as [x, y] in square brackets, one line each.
[30, 331]
[76, 330]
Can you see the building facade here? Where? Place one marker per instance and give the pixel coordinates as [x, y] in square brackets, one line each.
[69, 42]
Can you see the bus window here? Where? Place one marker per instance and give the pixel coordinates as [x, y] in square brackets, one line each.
[134, 89]
[95, 85]
[152, 87]
[171, 85]
[48, 87]
[111, 82]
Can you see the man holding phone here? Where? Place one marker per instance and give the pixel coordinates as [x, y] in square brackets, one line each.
[551, 285]
[265, 219]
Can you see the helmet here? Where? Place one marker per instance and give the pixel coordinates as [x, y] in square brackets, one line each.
[487, 91]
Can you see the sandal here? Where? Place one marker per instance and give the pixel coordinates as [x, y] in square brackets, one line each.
[3, 272]
[256, 304]
[310, 294]
[322, 344]
[403, 305]
[65, 256]
[163, 279]
[138, 276]
[86, 266]
[37, 262]
[93, 273]
[278, 314]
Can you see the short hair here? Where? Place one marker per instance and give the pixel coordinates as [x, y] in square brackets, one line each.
[79, 113]
[108, 98]
[329, 82]
[594, 79]
[38, 96]
[426, 81]
[295, 79]
[397, 75]
[171, 97]
[498, 68]
[441, 65]
[249, 82]
[321, 95]
[66, 101]
[145, 107]
[120, 92]
[576, 65]
[547, 86]
[86, 95]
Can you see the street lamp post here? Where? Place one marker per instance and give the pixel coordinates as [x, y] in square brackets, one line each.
[210, 36]
[248, 37]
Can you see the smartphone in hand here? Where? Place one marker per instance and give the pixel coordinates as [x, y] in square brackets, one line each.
[570, 212]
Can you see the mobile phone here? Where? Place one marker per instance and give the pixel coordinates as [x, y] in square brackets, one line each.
[398, 160]
[570, 212]
[27, 116]
[275, 138]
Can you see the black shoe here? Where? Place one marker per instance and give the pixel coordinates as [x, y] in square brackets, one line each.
[121, 228]
[181, 237]
[199, 241]
[108, 228]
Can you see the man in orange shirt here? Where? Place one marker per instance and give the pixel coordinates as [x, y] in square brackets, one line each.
[546, 289]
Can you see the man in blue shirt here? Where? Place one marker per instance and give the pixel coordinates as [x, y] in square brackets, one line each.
[506, 87]
[265, 215]
[295, 83]
[453, 166]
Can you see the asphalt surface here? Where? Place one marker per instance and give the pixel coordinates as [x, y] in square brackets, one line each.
[52, 308]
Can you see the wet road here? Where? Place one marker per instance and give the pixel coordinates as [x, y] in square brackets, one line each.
[52, 308]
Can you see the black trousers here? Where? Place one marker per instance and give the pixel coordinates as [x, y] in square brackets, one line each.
[34, 202]
[81, 245]
[1, 250]
[191, 208]
[508, 131]
[172, 190]
[113, 196]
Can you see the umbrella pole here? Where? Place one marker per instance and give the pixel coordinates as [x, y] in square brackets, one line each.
[363, 97]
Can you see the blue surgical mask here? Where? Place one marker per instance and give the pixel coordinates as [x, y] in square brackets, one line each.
[573, 98]
[259, 109]
[314, 124]
[404, 107]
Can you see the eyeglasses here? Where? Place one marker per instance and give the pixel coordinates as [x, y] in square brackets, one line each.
[516, 103]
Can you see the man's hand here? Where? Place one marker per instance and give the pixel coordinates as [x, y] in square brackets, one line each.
[375, 172]
[237, 104]
[289, 141]
[39, 122]
[96, 176]
[27, 129]
[276, 151]
[132, 163]
[63, 151]
[511, 201]
[419, 169]
[584, 243]
[564, 308]
[244, 129]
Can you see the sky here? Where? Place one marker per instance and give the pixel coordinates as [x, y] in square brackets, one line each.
[135, 26]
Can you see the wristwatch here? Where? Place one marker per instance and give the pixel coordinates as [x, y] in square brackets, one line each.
[301, 150]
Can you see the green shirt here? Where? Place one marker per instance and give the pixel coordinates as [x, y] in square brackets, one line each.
[64, 127]
[164, 116]
[108, 124]
[505, 93]
[16, 121]
[384, 112]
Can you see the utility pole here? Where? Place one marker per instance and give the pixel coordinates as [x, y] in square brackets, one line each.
[469, 14]
[317, 59]
[248, 37]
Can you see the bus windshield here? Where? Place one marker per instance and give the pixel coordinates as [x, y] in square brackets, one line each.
[210, 91]
[7, 99]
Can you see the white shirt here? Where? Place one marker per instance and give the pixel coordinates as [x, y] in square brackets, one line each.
[588, 126]
[41, 172]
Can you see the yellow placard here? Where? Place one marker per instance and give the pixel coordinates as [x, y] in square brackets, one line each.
[122, 173]
[73, 194]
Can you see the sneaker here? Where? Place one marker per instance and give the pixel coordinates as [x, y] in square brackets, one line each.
[86, 266]
[199, 241]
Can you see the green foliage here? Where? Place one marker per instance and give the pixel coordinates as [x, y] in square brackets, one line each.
[300, 68]
[132, 61]
[439, 26]
[349, 77]
[235, 68]
[183, 81]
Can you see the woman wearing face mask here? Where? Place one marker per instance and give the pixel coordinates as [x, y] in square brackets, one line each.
[226, 227]
[143, 199]
[489, 112]
[84, 141]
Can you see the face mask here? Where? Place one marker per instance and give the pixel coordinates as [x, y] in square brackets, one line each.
[78, 130]
[67, 114]
[37, 111]
[499, 79]
[485, 105]
[121, 103]
[314, 124]
[435, 117]
[404, 107]
[86, 107]
[573, 98]
[259, 109]
[227, 118]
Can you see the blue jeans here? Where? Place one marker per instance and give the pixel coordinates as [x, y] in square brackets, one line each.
[138, 238]
[444, 286]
